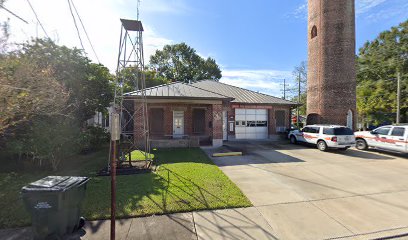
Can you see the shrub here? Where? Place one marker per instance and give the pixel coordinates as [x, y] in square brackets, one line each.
[52, 140]
[93, 138]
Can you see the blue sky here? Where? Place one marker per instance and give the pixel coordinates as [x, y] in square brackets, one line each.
[257, 43]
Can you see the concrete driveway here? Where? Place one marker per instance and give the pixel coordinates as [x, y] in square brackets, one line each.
[299, 192]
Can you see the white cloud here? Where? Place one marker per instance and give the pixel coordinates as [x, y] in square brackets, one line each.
[264, 81]
[101, 20]
[387, 13]
[301, 11]
[362, 6]
[152, 41]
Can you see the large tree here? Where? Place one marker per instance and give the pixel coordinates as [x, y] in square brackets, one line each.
[133, 79]
[46, 93]
[89, 84]
[300, 74]
[26, 92]
[378, 63]
[180, 62]
[4, 33]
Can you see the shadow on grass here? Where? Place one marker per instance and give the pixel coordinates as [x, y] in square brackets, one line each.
[169, 190]
[186, 180]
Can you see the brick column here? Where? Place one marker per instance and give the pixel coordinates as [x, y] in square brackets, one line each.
[217, 125]
[168, 119]
[288, 118]
[208, 119]
[188, 121]
[271, 122]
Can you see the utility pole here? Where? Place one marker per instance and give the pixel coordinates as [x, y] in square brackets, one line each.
[113, 190]
[297, 108]
[284, 89]
[115, 136]
[398, 96]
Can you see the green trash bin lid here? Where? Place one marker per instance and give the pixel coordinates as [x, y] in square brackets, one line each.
[54, 184]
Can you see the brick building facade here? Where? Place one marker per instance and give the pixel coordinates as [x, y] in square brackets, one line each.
[181, 111]
[331, 97]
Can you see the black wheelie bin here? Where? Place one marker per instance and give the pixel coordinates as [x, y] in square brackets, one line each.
[55, 204]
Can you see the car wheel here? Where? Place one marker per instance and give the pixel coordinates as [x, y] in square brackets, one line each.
[293, 139]
[361, 144]
[81, 223]
[322, 146]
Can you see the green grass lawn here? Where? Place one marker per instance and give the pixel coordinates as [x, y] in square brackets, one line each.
[185, 180]
[138, 155]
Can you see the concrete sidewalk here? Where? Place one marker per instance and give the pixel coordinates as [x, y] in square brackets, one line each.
[240, 223]
[172, 226]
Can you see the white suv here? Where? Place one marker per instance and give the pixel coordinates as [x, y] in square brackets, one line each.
[324, 136]
[391, 137]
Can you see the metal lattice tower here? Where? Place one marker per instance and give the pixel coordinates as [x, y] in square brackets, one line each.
[130, 73]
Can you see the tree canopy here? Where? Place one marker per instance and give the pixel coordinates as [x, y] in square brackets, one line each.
[47, 92]
[378, 63]
[89, 84]
[27, 92]
[133, 79]
[300, 74]
[180, 62]
[4, 32]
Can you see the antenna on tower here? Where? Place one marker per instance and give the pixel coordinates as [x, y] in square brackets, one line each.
[138, 7]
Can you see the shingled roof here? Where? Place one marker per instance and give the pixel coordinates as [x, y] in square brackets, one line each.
[240, 95]
[178, 90]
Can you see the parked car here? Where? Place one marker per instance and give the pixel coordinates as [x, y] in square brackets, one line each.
[324, 136]
[391, 137]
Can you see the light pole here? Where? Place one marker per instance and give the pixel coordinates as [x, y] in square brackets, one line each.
[398, 96]
[297, 108]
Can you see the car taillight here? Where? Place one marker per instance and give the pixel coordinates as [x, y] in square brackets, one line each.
[334, 139]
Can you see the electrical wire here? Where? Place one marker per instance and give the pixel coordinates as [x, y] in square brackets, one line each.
[76, 26]
[38, 20]
[15, 15]
[86, 33]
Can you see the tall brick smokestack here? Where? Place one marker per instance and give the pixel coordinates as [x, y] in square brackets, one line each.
[331, 96]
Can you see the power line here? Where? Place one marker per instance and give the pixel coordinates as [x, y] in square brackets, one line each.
[38, 20]
[73, 17]
[15, 15]
[86, 33]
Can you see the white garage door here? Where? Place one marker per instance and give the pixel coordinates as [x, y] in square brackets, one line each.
[251, 123]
